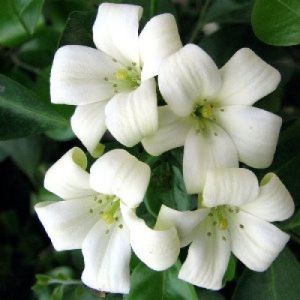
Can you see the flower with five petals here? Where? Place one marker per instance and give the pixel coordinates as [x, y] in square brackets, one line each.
[113, 86]
[233, 216]
[209, 112]
[98, 216]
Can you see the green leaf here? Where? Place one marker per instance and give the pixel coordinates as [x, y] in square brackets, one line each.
[167, 186]
[23, 113]
[225, 42]
[18, 20]
[293, 224]
[209, 295]
[20, 151]
[147, 284]
[58, 293]
[231, 268]
[287, 158]
[78, 30]
[280, 281]
[277, 22]
[228, 11]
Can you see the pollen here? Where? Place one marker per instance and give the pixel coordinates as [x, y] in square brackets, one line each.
[207, 111]
[223, 224]
[121, 74]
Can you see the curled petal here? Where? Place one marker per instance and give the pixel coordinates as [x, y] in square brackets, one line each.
[171, 133]
[254, 131]
[204, 149]
[88, 123]
[67, 222]
[246, 79]
[255, 242]
[158, 40]
[78, 76]
[67, 178]
[207, 258]
[274, 202]
[132, 116]
[119, 173]
[186, 77]
[106, 251]
[158, 249]
[232, 186]
[186, 222]
[115, 31]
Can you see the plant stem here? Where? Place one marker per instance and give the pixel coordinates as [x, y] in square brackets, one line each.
[153, 7]
[200, 22]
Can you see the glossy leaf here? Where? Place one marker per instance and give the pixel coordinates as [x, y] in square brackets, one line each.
[18, 20]
[280, 281]
[277, 22]
[147, 284]
[22, 113]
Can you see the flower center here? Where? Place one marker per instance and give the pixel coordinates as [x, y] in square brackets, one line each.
[203, 111]
[126, 78]
[108, 208]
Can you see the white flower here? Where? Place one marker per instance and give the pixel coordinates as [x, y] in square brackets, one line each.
[235, 218]
[113, 86]
[209, 112]
[98, 216]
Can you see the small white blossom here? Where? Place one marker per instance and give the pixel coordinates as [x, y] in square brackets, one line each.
[233, 216]
[98, 216]
[209, 112]
[113, 86]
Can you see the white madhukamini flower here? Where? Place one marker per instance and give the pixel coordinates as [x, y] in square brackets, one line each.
[98, 216]
[235, 217]
[113, 86]
[209, 112]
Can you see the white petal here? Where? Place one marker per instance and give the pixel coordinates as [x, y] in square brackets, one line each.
[77, 76]
[205, 149]
[246, 79]
[67, 178]
[67, 222]
[274, 202]
[119, 173]
[171, 133]
[232, 186]
[158, 249]
[158, 40]
[186, 77]
[184, 221]
[207, 258]
[257, 243]
[132, 116]
[115, 31]
[254, 132]
[106, 251]
[88, 123]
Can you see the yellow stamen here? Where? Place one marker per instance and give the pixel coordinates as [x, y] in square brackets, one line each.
[207, 111]
[121, 74]
[223, 224]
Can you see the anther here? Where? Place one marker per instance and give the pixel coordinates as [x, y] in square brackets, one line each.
[210, 214]
[106, 78]
[241, 226]
[120, 226]
[208, 233]
[91, 210]
[106, 231]
[114, 60]
[223, 224]
[224, 238]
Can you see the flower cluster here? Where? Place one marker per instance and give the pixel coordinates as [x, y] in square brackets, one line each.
[208, 111]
